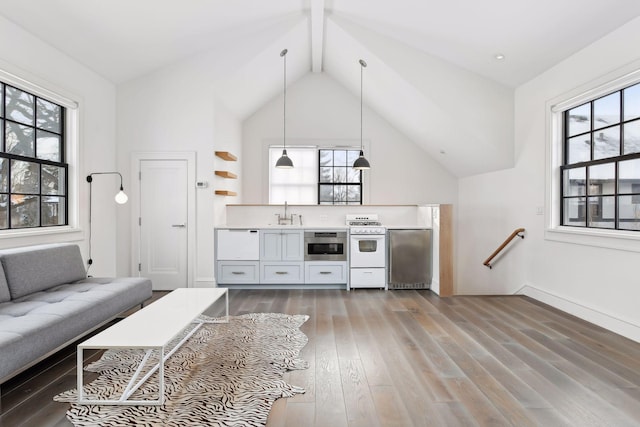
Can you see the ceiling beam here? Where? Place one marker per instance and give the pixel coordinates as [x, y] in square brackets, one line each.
[317, 34]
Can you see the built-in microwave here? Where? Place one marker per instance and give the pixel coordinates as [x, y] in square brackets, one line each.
[325, 246]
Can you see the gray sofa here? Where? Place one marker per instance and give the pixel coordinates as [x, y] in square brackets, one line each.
[47, 302]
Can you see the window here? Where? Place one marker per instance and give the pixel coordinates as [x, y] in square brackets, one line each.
[600, 172]
[33, 172]
[319, 176]
[338, 182]
[297, 185]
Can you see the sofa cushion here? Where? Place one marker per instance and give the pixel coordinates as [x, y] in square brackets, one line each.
[36, 324]
[4, 288]
[32, 269]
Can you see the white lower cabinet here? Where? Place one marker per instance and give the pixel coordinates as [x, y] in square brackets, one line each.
[281, 272]
[232, 272]
[325, 272]
[368, 278]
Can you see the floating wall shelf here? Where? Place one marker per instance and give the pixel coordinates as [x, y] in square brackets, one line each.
[227, 174]
[226, 193]
[226, 156]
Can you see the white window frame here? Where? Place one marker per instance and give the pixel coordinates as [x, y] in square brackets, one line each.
[72, 147]
[613, 239]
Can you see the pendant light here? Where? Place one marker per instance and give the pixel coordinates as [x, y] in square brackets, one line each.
[284, 162]
[361, 163]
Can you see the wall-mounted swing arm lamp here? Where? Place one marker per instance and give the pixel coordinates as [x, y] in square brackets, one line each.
[284, 162]
[120, 198]
[361, 162]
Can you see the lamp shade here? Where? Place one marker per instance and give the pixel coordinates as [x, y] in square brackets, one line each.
[284, 162]
[361, 162]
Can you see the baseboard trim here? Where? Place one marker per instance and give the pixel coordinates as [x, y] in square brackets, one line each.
[619, 326]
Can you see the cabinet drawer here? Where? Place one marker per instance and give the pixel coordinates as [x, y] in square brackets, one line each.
[368, 278]
[237, 272]
[284, 272]
[325, 272]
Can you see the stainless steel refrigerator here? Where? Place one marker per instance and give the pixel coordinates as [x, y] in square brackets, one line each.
[410, 259]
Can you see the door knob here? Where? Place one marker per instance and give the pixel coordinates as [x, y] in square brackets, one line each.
[179, 225]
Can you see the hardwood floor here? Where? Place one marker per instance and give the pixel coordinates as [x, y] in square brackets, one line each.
[409, 358]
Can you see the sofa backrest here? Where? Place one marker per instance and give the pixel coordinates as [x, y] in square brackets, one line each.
[36, 268]
[4, 288]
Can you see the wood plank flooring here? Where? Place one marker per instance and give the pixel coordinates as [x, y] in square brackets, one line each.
[409, 358]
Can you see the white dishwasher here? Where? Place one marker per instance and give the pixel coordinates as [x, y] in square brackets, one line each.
[235, 244]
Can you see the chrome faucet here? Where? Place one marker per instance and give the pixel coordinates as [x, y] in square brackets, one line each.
[286, 219]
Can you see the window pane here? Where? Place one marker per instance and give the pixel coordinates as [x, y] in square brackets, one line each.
[1, 100]
[353, 175]
[4, 212]
[48, 146]
[579, 149]
[602, 179]
[340, 193]
[326, 193]
[326, 157]
[629, 212]
[53, 211]
[352, 156]
[48, 115]
[25, 178]
[574, 181]
[606, 143]
[606, 111]
[25, 211]
[19, 105]
[340, 174]
[632, 102]
[4, 174]
[602, 211]
[579, 120]
[632, 137]
[353, 193]
[629, 176]
[339, 158]
[19, 140]
[326, 174]
[574, 212]
[53, 180]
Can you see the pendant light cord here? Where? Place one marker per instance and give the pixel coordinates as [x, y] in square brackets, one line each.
[361, 144]
[284, 104]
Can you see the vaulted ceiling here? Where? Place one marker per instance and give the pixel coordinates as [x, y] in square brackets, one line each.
[426, 57]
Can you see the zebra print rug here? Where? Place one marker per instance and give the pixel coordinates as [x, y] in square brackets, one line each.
[224, 375]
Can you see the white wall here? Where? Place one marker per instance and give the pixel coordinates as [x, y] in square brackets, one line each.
[598, 284]
[320, 111]
[174, 110]
[30, 58]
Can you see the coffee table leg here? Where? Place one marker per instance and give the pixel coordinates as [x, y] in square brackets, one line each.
[80, 369]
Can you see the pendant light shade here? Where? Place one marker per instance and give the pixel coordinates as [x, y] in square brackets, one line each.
[361, 162]
[284, 162]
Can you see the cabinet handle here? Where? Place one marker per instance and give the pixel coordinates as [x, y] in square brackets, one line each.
[237, 272]
[282, 272]
[325, 272]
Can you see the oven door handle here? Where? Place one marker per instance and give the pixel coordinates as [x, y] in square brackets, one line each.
[367, 237]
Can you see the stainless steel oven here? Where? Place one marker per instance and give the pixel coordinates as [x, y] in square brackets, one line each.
[325, 246]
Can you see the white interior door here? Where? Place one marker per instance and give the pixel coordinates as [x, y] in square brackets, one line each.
[163, 223]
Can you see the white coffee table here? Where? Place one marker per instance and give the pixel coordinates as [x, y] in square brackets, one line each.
[151, 328]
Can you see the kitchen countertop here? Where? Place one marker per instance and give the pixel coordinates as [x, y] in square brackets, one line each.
[292, 227]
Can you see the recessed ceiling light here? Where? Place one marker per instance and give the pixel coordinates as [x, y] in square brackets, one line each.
[499, 56]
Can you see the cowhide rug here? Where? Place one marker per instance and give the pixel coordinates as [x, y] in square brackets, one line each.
[224, 375]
